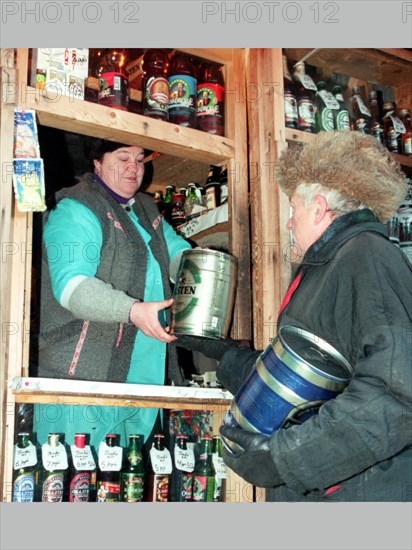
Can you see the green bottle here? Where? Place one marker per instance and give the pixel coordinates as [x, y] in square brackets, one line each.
[132, 476]
[25, 460]
[220, 482]
[204, 473]
[323, 113]
[341, 115]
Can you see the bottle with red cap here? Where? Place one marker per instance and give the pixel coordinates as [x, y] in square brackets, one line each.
[110, 464]
[210, 99]
[82, 478]
[157, 489]
[204, 473]
[114, 86]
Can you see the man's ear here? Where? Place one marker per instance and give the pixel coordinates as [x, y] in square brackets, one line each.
[321, 208]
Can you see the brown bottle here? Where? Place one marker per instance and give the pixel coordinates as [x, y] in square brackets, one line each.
[157, 483]
[360, 114]
[290, 103]
[391, 130]
[182, 91]
[92, 83]
[376, 124]
[305, 98]
[210, 99]
[114, 90]
[405, 116]
[155, 84]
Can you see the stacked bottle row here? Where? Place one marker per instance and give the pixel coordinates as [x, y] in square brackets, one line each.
[116, 474]
[183, 204]
[314, 108]
[172, 89]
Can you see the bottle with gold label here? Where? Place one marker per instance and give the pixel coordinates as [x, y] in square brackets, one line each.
[155, 85]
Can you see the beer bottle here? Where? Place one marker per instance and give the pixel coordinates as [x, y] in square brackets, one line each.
[54, 465]
[160, 470]
[376, 124]
[110, 464]
[182, 91]
[341, 116]
[24, 464]
[224, 190]
[393, 128]
[92, 82]
[305, 90]
[361, 116]
[204, 473]
[114, 91]
[290, 103]
[82, 479]
[221, 472]
[132, 476]
[182, 476]
[325, 103]
[210, 99]
[178, 215]
[405, 116]
[167, 203]
[155, 83]
[212, 187]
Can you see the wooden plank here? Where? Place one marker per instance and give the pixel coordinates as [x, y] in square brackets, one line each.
[91, 119]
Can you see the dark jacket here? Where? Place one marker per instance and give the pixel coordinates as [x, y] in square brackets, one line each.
[106, 347]
[355, 293]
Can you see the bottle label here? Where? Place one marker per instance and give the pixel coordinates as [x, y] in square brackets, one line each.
[157, 97]
[307, 82]
[161, 461]
[306, 112]
[110, 458]
[184, 459]
[361, 125]
[342, 120]
[210, 108]
[203, 488]
[53, 488]
[291, 108]
[392, 142]
[211, 200]
[217, 490]
[327, 122]
[24, 457]
[362, 107]
[114, 90]
[54, 458]
[108, 491]
[329, 99]
[82, 458]
[80, 487]
[158, 488]
[398, 125]
[132, 487]
[407, 146]
[23, 488]
[220, 467]
[182, 96]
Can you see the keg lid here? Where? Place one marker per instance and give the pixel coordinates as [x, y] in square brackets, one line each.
[314, 351]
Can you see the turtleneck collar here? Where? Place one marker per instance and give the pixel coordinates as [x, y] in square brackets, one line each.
[118, 198]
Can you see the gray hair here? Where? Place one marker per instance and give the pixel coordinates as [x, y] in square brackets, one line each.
[338, 204]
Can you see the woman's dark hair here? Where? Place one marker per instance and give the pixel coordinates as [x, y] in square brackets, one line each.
[95, 148]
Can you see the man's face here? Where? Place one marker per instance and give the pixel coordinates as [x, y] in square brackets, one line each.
[302, 223]
[122, 170]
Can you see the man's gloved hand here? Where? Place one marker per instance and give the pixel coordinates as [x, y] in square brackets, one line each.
[208, 346]
[255, 463]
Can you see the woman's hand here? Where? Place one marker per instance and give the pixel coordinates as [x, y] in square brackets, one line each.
[144, 315]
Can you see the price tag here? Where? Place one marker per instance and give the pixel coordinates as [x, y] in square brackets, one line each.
[161, 461]
[110, 458]
[307, 82]
[329, 99]
[24, 458]
[184, 460]
[82, 458]
[54, 458]
[220, 467]
[398, 125]
[362, 107]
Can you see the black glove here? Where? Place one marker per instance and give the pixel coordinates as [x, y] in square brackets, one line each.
[208, 346]
[255, 463]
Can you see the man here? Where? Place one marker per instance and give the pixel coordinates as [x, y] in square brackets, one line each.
[352, 289]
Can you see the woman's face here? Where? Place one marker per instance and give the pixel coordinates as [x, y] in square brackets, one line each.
[122, 170]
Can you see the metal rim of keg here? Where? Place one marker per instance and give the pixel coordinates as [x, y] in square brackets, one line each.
[210, 252]
[299, 362]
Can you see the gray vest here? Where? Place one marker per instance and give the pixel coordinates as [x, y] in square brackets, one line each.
[104, 355]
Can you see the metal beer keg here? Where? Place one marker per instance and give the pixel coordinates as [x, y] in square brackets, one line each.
[291, 379]
[204, 293]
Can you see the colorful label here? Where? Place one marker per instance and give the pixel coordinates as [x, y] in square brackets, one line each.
[182, 97]
[114, 90]
[80, 487]
[210, 98]
[132, 487]
[203, 488]
[306, 113]
[157, 97]
[53, 488]
[23, 488]
[342, 120]
[291, 108]
[327, 123]
[108, 491]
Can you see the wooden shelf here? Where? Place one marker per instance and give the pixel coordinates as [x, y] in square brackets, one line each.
[81, 392]
[83, 117]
